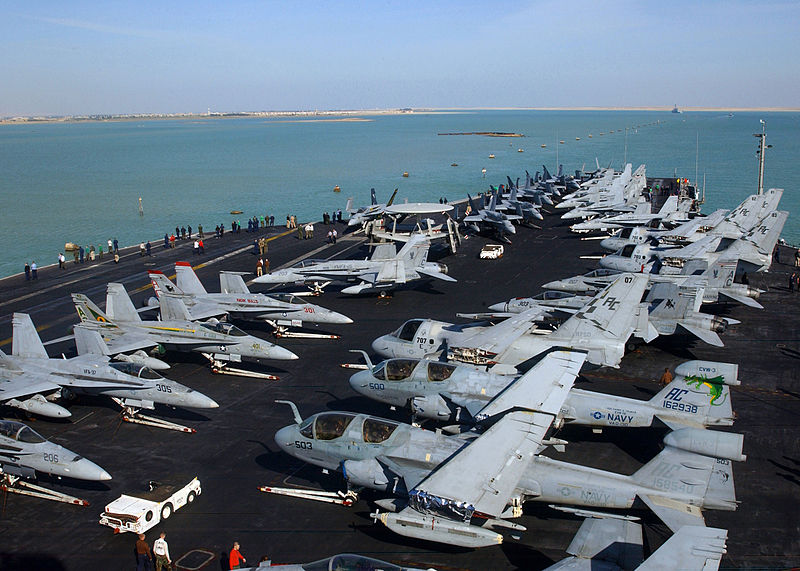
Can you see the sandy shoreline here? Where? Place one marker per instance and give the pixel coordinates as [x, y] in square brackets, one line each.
[355, 115]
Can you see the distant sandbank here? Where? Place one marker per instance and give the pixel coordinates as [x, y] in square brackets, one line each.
[355, 115]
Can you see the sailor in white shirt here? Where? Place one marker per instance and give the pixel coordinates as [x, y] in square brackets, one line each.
[161, 551]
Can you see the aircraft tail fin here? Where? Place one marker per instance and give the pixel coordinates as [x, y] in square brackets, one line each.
[697, 462]
[348, 207]
[25, 340]
[173, 309]
[232, 282]
[372, 196]
[766, 234]
[546, 173]
[188, 282]
[88, 312]
[700, 391]
[670, 301]
[414, 252]
[119, 305]
[670, 205]
[611, 314]
[161, 283]
[391, 199]
[89, 341]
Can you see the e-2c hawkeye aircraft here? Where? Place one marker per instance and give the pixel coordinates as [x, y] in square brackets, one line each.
[30, 374]
[380, 273]
[279, 310]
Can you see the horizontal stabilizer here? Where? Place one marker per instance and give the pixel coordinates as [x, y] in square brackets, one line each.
[692, 547]
[434, 274]
[743, 299]
[674, 513]
[710, 337]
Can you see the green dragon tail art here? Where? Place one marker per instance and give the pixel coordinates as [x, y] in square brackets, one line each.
[714, 385]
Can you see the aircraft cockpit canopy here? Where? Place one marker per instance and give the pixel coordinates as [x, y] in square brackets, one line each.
[19, 432]
[627, 251]
[409, 329]
[288, 298]
[224, 328]
[349, 562]
[377, 430]
[550, 295]
[398, 369]
[438, 371]
[139, 371]
[328, 425]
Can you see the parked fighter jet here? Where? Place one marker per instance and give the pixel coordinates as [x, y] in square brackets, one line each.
[490, 219]
[602, 327]
[360, 216]
[380, 273]
[235, 299]
[527, 210]
[753, 252]
[473, 481]
[693, 471]
[123, 329]
[23, 452]
[455, 392]
[614, 543]
[675, 309]
[28, 372]
[672, 211]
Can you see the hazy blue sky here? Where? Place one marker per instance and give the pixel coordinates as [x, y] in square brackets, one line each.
[82, 57]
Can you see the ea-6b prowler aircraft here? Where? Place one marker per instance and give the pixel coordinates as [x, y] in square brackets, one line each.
[30, 374]
[380, 273]
[698, 396]
[235, 299]
[24, 452]
[601, 328]
[123, 329]
[464, 498]
[447, 476]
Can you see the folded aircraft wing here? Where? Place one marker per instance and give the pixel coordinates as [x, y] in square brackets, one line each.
[17, 386]
[497, 338]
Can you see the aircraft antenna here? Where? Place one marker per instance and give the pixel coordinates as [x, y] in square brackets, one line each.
[696, 156]
[762, 146]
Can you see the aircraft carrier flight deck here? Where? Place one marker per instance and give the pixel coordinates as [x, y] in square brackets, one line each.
[233, 451]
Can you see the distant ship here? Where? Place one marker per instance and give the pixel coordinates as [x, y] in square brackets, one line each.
[675, 109]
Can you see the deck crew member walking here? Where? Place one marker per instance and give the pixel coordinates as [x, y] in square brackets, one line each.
[161, 551]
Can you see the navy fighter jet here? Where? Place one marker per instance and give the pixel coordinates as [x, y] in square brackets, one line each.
[123, 329]
[490, 219]
[23, 452]
[235, 299]
[30, 374]
[380, 273]
[362, 215]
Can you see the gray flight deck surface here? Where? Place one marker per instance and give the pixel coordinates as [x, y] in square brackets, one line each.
[233, 451]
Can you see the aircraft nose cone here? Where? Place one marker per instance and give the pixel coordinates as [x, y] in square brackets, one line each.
[360, 380]
[85, 469]
[199, 400]
[285, 438]
[335, 317]
[498, 306]
[381, 346]
[276, 352]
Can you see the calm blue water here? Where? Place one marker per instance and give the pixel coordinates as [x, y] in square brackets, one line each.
[81, 182]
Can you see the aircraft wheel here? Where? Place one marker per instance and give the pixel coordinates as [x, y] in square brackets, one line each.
[166, 511]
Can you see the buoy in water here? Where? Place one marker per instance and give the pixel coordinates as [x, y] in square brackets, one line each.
[337, 189]
[491, 156]
[454, 165]
[405, 174]
[544, 146]
[520, 151]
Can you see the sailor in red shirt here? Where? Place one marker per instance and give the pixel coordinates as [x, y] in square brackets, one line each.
[236, 558]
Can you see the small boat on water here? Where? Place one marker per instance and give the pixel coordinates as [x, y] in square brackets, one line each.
[236, 211]
[337, 189]
[454, 164]
[561, 142]
[578, 138]
[491, 156]
[590, 135]
[520, 150]
[405, 174]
